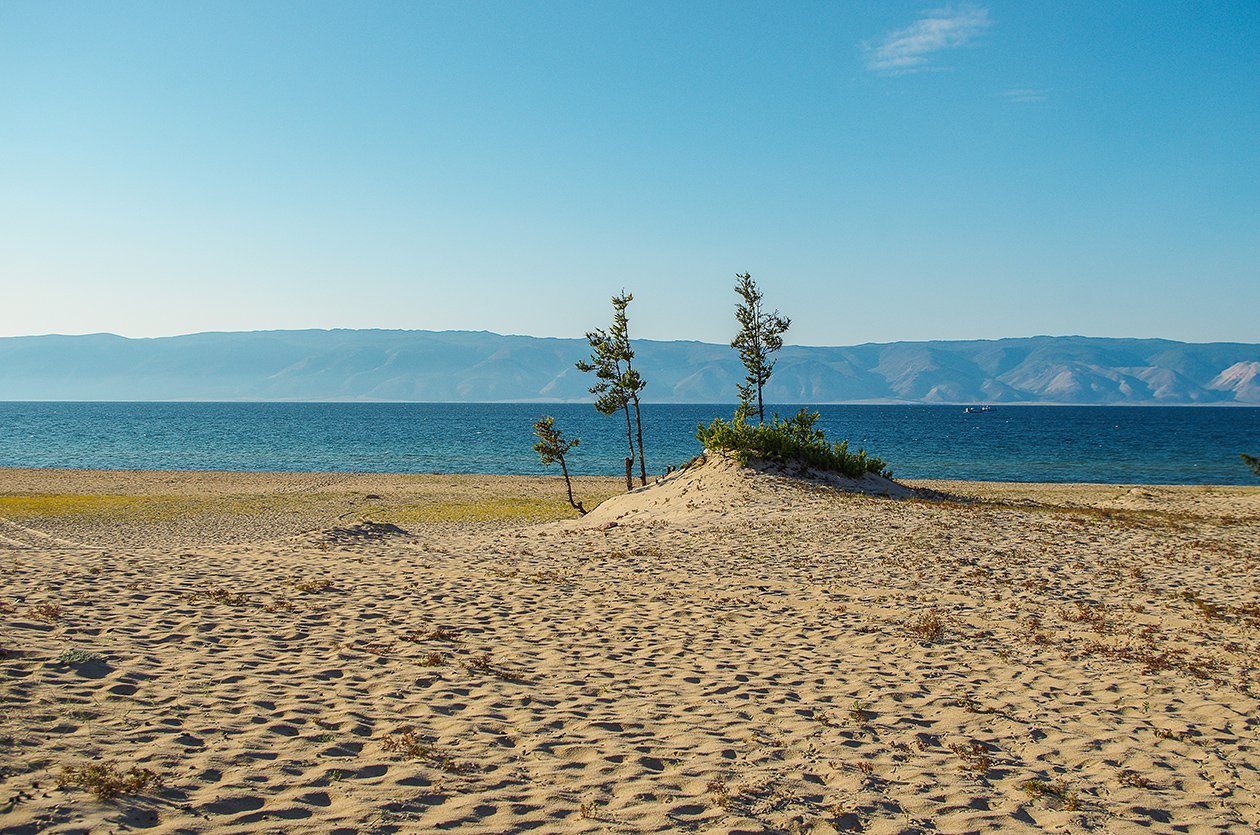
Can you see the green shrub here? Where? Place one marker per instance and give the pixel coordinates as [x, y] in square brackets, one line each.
[792, 440]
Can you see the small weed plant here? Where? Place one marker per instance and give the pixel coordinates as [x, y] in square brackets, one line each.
[927, 626]
[78, 656]
[408, 742]
[46, 612]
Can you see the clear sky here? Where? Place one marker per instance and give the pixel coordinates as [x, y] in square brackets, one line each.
[886, 171]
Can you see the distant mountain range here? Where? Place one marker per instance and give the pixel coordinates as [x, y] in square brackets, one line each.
[445, 366]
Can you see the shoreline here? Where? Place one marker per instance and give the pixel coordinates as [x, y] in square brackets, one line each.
[930, 483]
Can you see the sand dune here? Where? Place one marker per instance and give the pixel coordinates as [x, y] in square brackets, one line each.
[740, 652]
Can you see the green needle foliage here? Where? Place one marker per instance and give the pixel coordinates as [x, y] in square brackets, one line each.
[760, 335]
[618, 384]
[793, 440]
[1251, 461]
[551, 448]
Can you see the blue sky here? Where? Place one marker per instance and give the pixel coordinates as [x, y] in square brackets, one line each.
[886, 171]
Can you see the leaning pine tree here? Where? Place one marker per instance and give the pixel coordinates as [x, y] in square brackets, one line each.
[551, 448]
[760, 335]
[1251, 461]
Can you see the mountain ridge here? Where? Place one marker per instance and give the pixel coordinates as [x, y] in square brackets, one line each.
[346, 364]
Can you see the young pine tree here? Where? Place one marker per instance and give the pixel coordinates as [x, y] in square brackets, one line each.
[1251, 461]
[760, 335]
[551, 448]
[618, 384]
[630, 382]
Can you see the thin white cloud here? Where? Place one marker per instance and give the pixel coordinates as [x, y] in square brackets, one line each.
[911, 49]
[1025, 95]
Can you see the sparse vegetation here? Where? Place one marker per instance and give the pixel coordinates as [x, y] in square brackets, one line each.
[483, 664]
[1041, 788]
[78, 656]
[1134, 780]
[974, 756]
[408, 742]
[45, 612]
[218, 594]
[928, 626]
[790, 441]
[432, 633]
[107, 781]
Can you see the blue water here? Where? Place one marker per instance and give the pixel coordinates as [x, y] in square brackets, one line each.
[1155, 445]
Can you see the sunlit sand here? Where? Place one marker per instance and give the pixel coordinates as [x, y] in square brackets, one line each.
[727, 650]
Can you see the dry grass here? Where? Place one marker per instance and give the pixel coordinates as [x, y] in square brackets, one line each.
[218, 594]
[974, 756]
[313, 585]
[107, 781]
[1040, 788]
[45, 612]
[927, 626]
[483, 664]
[409, 743]
[432, 633]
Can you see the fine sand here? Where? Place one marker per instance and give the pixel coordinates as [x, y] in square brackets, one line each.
[725, 651]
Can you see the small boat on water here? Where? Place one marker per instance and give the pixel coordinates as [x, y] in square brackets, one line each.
[971, 410]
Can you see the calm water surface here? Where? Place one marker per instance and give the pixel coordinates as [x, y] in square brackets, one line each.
[1156, 445]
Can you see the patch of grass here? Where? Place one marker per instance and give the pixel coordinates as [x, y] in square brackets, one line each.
[487, 510]
[218, 594]
[432, 633]
[974, 756]
[313, 585]
[1134, 780]
[793, 440]
[1041, 788]
[78, 656]
[408, 742]
[107, 781]
[1095, 617]
[433, 659]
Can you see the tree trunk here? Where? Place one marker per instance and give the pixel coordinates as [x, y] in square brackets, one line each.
[569, 488]
[630, 446]
[638, 424]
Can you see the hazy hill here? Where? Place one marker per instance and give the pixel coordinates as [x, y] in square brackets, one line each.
[481, 366]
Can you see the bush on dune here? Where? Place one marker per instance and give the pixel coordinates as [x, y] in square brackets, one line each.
[793, 440]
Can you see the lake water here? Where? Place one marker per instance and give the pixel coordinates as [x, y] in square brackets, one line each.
[1155, 445]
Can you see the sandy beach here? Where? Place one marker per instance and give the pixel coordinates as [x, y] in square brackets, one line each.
[726, 651]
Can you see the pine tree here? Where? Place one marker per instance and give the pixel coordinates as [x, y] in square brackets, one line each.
[1251, 461]
[551, 448]
[630, 382]
[618, 383]
[760, 335]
